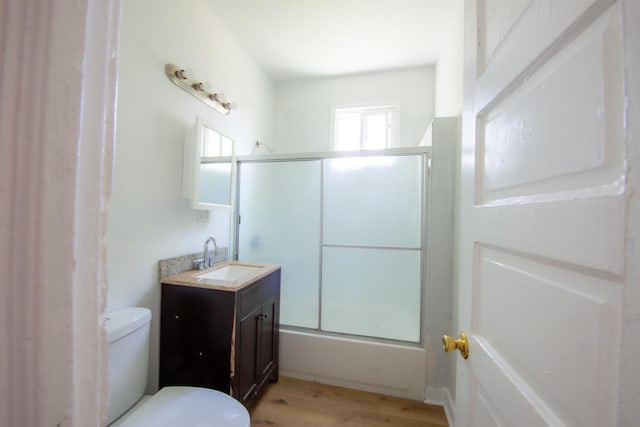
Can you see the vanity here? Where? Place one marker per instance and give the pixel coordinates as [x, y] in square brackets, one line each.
[219, 328]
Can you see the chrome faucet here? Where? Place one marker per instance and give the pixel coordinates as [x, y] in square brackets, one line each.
[208, 259]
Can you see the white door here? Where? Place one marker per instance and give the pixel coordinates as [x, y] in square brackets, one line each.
[549, 214]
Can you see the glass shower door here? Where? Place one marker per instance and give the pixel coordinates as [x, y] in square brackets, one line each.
[279, 207]
[348, 234]
[371, 256]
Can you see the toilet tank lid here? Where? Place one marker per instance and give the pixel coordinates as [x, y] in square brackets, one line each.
[121, 322]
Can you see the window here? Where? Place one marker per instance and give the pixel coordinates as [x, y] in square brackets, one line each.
[365, 128]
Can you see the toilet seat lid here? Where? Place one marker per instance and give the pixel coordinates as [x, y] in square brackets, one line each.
[189, 407]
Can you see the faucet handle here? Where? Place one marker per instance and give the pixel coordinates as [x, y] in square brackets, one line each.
[199, 264]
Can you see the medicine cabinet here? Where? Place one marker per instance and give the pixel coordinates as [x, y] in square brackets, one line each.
[208, 167]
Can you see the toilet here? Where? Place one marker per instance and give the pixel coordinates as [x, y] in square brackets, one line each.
[128, 338]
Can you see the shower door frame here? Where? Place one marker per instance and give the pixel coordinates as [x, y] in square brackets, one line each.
[426, 155]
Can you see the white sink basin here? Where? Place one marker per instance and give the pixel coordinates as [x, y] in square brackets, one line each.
[231, 272]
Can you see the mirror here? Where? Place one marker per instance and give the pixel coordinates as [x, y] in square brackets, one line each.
[208, 167]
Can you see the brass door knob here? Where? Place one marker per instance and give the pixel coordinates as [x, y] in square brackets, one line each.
[451, 344]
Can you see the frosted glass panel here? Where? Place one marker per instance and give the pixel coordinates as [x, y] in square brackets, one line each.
[279, 204]
[373, 201]
[215, 183]
[371, 292]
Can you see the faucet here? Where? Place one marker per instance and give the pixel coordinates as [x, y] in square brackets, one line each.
[209, 260]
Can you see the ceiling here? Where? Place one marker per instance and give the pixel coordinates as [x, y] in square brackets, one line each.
[298, 39]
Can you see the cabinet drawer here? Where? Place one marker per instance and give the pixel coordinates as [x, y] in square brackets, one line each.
[258, 292]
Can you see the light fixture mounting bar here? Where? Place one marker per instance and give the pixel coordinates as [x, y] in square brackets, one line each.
[196, 88]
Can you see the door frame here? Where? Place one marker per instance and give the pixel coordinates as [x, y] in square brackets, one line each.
[57, 135]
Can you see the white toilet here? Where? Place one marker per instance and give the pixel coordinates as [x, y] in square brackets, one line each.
[128, 337]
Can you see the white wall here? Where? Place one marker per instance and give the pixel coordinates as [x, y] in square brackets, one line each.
[448, 102]
[438, 310]
[148, 218]
[448, 87]
[304, 108]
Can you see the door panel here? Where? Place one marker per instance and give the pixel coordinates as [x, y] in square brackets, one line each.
[558, 230]
[542, 26]
[497, 18]
[538, 120]
[248, 348]
[560, 322]
[543, 208]
[506, 398]
[268, 345]
[484, 412]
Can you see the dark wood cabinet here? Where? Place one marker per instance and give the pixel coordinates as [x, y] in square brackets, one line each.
[221, 339]
[258, 347]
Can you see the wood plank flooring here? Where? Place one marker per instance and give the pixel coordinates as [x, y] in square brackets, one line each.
[296, 403]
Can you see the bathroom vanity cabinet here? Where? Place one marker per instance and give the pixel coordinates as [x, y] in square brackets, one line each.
[224, 339]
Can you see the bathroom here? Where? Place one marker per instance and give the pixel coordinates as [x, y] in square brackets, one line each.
[556, 236]
[149, 220]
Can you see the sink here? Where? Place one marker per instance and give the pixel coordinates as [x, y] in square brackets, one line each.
[225, 276]
[231, 272]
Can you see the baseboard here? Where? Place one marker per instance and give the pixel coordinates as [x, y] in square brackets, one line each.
[442, 397]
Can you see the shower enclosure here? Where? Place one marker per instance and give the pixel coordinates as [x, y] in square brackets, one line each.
[349, 232]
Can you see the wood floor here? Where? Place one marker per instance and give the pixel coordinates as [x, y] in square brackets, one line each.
[295, 403]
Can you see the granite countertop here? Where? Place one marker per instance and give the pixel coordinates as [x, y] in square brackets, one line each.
[231, 284]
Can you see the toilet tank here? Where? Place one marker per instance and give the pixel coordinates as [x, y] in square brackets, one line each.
[128, 337]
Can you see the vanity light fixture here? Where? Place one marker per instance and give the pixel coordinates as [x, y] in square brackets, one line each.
[182, 79]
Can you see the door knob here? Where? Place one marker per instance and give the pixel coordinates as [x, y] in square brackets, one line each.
[451, 344]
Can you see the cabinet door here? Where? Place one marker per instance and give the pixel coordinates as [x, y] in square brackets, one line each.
[268, 339]
[247, 347]
[195, 345]
[180, 342]
[256, 347]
